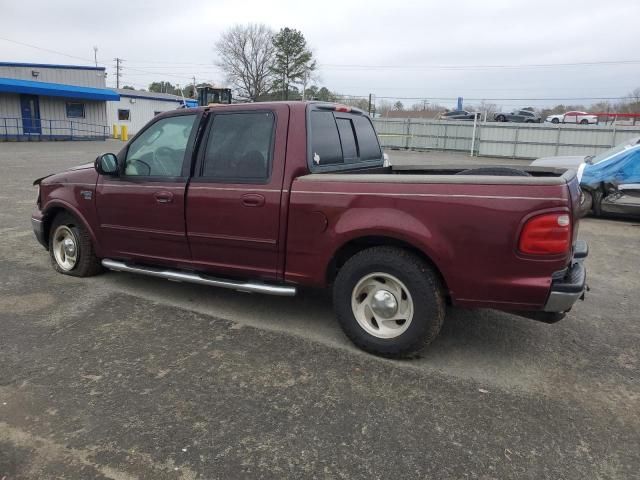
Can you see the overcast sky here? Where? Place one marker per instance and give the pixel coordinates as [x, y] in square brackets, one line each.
[388, 48]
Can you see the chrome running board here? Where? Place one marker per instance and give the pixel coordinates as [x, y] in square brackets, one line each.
[190, 277]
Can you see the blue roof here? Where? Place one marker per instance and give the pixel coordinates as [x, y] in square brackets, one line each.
[50, 65]
[12, 85]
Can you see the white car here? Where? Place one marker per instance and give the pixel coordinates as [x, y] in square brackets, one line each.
[582, 118]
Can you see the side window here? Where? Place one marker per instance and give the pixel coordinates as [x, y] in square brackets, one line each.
[325, 141]
[75, 110]
[367, 139]
[159, 150]
[239, 147]
[123, 115]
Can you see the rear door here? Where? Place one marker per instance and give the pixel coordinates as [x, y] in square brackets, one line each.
[233, 201]
[141, 211]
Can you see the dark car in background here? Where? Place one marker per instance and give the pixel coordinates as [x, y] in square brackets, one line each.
[522, 116]
[459, 115]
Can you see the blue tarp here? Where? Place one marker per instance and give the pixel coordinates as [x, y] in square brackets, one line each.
[12, 85]
[623, 167]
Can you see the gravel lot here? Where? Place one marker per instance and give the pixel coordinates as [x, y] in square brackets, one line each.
[122, 377]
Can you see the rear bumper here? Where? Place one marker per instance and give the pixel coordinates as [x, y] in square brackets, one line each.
[38, 229]
[571, 286]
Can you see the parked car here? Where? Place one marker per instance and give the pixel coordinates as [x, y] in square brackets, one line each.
[582, 118]
[270, 197]
[460, 115]
[601, 175]
[526, 116]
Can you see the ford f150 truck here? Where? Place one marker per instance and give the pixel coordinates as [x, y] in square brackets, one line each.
[267, 197]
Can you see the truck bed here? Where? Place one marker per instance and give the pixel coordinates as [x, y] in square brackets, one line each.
[467, 225]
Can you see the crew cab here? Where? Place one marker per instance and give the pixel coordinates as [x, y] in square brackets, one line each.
[269, 197]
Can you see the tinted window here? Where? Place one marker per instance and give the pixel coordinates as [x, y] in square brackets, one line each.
[123, 115]
[348, 139]
[325, 142]
[239, 147]
[367, 139]
[159, 150]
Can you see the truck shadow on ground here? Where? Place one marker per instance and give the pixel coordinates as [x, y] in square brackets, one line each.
[480, 343]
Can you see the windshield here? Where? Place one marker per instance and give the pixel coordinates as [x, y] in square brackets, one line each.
[593, 159]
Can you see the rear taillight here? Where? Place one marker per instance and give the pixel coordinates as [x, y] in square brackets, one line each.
[547, 234]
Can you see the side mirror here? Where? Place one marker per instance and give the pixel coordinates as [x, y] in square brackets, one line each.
[107, 164]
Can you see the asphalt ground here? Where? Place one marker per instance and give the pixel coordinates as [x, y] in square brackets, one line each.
[121, 376]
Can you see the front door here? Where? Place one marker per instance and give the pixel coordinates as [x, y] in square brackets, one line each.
[233, 201]
[30, 108]
[141, 211]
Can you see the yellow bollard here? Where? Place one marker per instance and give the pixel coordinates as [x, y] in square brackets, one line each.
[125, 134]
[115, 131]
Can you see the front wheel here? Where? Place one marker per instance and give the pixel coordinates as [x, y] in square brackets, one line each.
[70, 248]
[555, 120]
[389, 301]
[501, 118]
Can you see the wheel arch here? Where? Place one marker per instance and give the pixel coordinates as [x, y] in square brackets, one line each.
[360, 243]
[55, 208]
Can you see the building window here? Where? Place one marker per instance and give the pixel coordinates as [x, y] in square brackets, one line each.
[123, 115]
[75, 110]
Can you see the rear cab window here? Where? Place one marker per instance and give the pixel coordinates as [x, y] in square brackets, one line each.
[341, 140]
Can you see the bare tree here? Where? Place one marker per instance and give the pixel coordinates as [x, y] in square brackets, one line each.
[246, 55]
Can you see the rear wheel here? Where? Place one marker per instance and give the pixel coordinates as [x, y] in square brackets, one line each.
[389, 301]
[555, 120]
[586, 202]
[501, 118]
[584, 121]
[70, 248]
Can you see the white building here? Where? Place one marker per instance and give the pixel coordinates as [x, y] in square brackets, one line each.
[51, 102]
[135, 108]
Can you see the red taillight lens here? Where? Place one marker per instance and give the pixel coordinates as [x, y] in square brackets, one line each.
[342, 108]
[546, 234]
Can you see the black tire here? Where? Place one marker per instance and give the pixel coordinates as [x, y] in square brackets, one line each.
[501, 118]
[87, 264]
[495, 171]
[555, 120]
[584, 122]
[586, 203]
[422, 284]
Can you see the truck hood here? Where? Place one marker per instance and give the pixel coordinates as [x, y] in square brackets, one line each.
[559, 162]
[84, 173]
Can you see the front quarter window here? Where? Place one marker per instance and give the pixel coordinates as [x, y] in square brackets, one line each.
[159, 151]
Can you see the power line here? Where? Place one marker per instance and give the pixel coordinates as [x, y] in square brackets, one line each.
[475, 67]
[47, 50]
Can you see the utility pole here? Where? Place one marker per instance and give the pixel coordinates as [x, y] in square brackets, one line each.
[118, 70]
[195, 95]
[369, 104]
[95, 54]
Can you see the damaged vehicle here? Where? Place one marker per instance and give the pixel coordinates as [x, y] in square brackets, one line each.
[607, 180]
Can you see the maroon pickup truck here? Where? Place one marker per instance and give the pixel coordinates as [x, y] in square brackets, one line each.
[267, 197]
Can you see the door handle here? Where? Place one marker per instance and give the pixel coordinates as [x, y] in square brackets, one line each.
[163, 197]
[252, 200]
